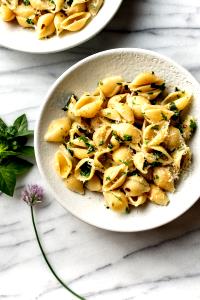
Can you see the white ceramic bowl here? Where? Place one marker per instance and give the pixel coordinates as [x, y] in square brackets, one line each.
[15, 37]
[84, 76]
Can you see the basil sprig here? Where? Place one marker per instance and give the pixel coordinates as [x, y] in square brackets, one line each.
[13, 150]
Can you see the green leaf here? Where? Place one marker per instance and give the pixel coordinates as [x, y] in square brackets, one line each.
[3, 125]
[25, 133]
[7, 180]
[27, 151]
[21, 123]
[4, 154]
[19, 166]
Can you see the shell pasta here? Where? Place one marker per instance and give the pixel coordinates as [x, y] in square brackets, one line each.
[126, 140]
[50, 17]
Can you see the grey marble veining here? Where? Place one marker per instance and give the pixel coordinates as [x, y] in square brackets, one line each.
[161, 263]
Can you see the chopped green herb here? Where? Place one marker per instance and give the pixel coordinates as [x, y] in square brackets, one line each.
[100, 82]
[69, 2]
[68, 100]
[124, 162]
[155, 127]
[127, 211]
[150, 93]
[156, 164]
[146, 164]
[158, 154]
[193, 125]
[108, 178]
[116, 136]
[152, 72]
[127, 138]
[158, 86]
[29, 21]
[70, 151]
[101, 143]
[173, 106]
[180, 127]
[110, 146]
[136, 93]
[91, 149]
[156, 177]
[119, 83]
[26, 2]
[164, 117]
[85, 169]
[177, 89]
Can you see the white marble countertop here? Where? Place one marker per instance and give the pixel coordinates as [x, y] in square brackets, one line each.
[162, 263]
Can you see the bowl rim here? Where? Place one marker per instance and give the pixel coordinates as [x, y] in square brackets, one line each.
[47, 98]
[65, 46]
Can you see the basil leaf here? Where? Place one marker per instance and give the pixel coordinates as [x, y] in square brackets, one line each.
[19, 166]
[27, 151]
[7, 180]
[21, 123]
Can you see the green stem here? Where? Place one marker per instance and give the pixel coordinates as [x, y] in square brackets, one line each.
[47, 261]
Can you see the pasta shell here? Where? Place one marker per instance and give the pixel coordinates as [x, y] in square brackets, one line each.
[59, 17]
[155, 134]
[111, 86]
[58, 130]
[158, 196]
[63, 163]
[136, 103]
[163, 178]
[94, 184]
[85, 169]
[102, 160]
[75, 185]
[127, 132]
[189, 126]
[88, 106]
[76, 21]
[156, 113]
[114, 177]
[94, 6]
[159, 155]
[145, 78]
[116, 99]
[42, 4]
[125, 112]
[174, 139]
[181, 160]
[45, 25]
[123, 155]
[135, 186]
[139, 160]
[137, 201]
[6, 13]
[11, 4]
[116, 200]
[70, 10]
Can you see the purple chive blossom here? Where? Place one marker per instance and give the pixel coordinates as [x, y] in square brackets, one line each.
[33, 194]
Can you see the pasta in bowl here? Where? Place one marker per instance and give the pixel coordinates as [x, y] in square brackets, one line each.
[44, 26]
[129, 158]
[124, 142]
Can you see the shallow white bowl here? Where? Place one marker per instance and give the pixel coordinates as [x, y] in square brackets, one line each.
[84, 76]
[15, 37]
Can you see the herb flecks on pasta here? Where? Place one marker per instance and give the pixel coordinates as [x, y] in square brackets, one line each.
[128, 141]
[50, 17]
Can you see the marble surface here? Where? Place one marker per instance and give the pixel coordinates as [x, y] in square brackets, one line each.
[162, 263]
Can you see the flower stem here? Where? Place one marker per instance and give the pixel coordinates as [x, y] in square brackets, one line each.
[47, 261]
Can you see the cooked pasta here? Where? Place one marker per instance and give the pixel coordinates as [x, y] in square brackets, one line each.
[50, 17]
[123, 142]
